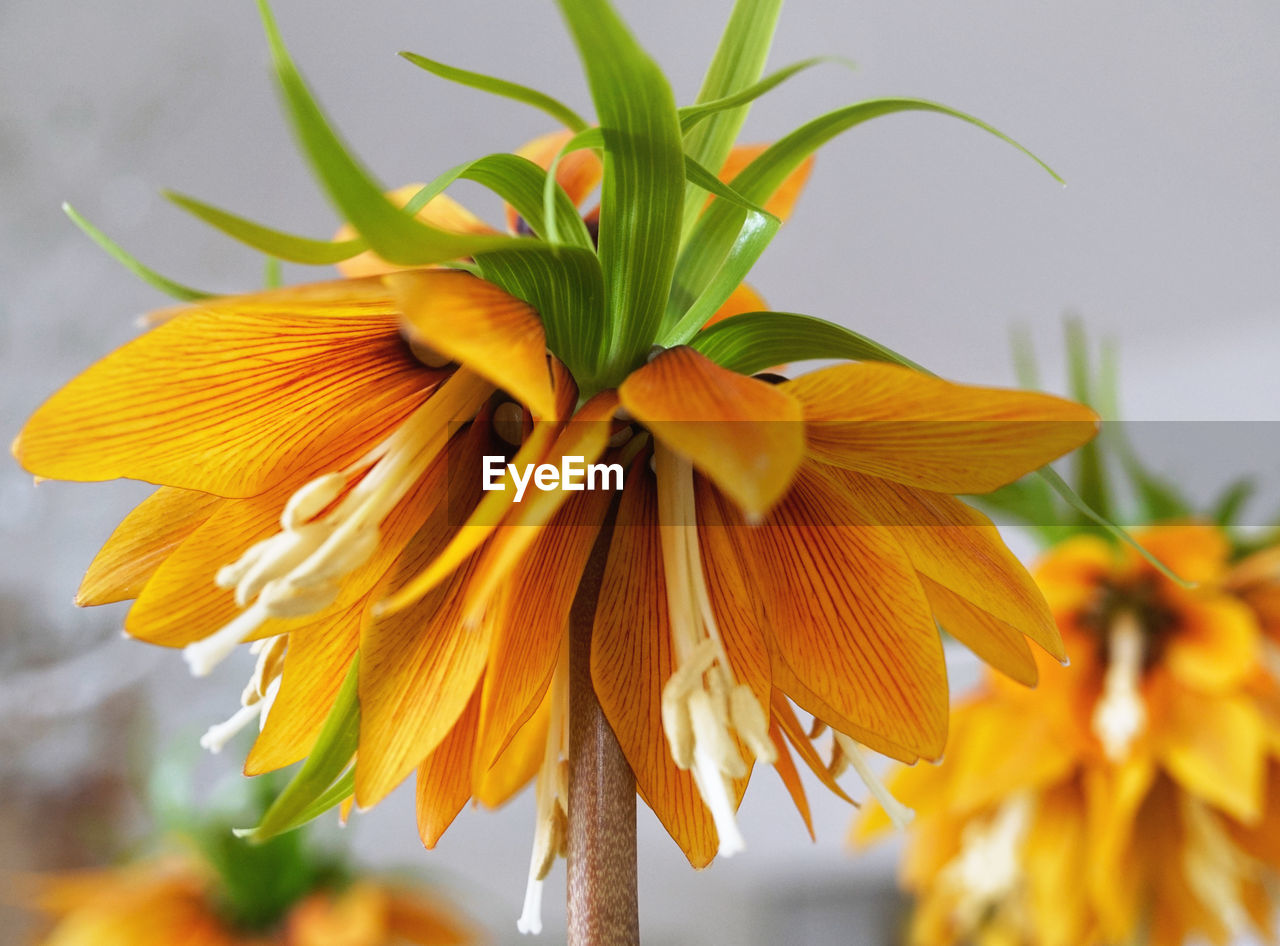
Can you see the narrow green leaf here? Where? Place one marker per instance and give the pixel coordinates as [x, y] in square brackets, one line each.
[697, 174]
[148, 275]
[716, 230]
[1090, 474]
[587, 138]
[1227, 507]
[522, 184]
[511, 90]
[285, 246]
[566, 286]
[692, 115]
[754, 341]
[391, 233]
[272, 277]
[330, 756]
[737, 64]
[1063, 489]
[1025, 369]
[643, 189]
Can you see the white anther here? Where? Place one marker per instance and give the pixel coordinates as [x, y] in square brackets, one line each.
[531, 917]
[715, 794]
[898, 813]
[282, 600]
[204, 655]
[711, 734]
[218, 735]
[278, 554]
[750, 723]
[343, 552]
[311, 500]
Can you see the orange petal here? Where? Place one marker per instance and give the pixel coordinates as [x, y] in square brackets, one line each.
[444, 777]
[440, 211]
[1194, 552]
[1216, 750]
[1072, 573]
[784, 717]
[419, 666]
[848, 617]
[1218, 642]
[531, 617]
[235, 399]
[416, 918]
[743, 299]
[585, 436]
[579, 172]
[987, 636]
[786, 769]
[743, 433]
[519, 762]
[784, 198]
[631, 661]
[919, 430]
[142, 542]
[476, 323]
[958, 548]
[315, 666]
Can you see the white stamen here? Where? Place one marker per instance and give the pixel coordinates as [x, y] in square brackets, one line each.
[987, 869]
[898, 813]
[1215, 867]
[300, 570]
[1121, 714]
[531, 917]
[703, 706]
[218, 735]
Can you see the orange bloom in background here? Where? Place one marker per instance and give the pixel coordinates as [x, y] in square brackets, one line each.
[320, 449]
[177, 901]
[1135, 795]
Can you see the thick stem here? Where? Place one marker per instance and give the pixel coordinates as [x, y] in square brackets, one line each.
[603, 906]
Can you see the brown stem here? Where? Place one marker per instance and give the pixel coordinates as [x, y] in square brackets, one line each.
[603, 906]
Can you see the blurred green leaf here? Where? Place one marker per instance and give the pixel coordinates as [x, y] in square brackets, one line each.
[145, 273]
[1227, 507]
[511, 90]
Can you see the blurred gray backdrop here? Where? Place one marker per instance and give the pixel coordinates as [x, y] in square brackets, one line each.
[917, 230]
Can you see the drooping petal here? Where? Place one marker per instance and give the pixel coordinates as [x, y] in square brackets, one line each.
[476, 323]
[314, 667]
[531, 618]
[1195, 552]
[848, 617]
[440, 211]
[631, 661]
[141, 543]
[786, 769]
[742, 433]
[906, 426]
[1218, 643]
[784, 198]
[235, 399]
[991, 639]
[784, 717]
[444, 777]
[519, 762]
[586, 436]
[579, 172]
[958, 548]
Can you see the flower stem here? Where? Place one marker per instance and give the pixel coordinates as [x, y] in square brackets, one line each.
[603, 905]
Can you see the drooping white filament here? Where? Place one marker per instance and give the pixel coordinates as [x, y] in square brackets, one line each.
[986, 871]
[703, 706]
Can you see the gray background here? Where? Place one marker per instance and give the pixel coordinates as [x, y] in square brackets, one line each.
[916, 230]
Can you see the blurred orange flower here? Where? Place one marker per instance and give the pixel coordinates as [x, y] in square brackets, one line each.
[1135, 796]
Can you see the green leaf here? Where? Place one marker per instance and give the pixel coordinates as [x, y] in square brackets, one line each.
[1090, 472]
[148, 275]
[522, 184]
[587, 138]
[566, 286]
[395, 236]
[693, 115]
[314, 781]
[737, 64]
[511, 90]
[1063, 489]
[1226, 509]
[272, 277]
[754, 341]
[643, 190]
[285, 246]
[717, 229]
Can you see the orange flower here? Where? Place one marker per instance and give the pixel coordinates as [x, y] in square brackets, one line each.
[1137, 789]
[175, 901]
[320, 450]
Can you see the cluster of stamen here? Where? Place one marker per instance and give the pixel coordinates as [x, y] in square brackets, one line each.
[986, 872]
[551, 831]
[258, 696]
[703, 707]
[329, 528]
[1215, 866]
[1121, 713]
[849, 753]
